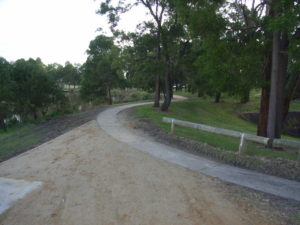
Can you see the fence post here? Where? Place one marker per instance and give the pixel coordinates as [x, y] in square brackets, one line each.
[172, 126]
[242, 144]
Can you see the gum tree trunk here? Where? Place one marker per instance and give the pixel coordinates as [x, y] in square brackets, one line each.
[265, 97]
[278, 80]
[168, 95]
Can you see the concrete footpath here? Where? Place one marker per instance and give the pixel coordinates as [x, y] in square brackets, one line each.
[12, 190]
[109, 122]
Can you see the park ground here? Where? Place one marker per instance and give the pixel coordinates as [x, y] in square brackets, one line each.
[90, 178]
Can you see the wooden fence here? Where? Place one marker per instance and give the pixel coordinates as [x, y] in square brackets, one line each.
[243, 136]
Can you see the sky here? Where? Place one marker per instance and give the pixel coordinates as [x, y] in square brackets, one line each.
[54, 30]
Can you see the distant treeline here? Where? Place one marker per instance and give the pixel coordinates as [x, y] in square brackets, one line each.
[29, 88]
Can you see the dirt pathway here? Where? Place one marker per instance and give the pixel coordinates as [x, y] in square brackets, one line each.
[90, 178]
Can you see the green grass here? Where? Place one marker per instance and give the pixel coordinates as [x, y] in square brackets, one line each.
[16, 138]
[223, 115]
[186, 94]
[295, 106]
[295, 220]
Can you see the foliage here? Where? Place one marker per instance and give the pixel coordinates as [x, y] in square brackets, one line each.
[6, 92]
[139, 61]
[129, 95]
[100, 72]
[71, 74]
[225, 115]
[28, 87]
[34, 91]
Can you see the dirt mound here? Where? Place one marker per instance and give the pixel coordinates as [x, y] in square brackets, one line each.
[291, 124]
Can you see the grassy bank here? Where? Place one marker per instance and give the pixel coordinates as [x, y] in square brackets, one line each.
[223, 115]
[24, 136]
[17, 138]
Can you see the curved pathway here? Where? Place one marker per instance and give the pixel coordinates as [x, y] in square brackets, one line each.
[109, 122]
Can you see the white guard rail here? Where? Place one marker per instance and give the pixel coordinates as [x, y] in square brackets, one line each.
[236, 134]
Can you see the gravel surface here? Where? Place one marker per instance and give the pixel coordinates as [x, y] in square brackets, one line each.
[90, 178]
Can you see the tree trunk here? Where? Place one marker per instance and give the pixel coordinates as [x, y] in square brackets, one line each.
[246, 96]
[158, 56]
[157, 91]
[200, 93]
[273, 104]
[283, 66]
[278, 79]
[265, 97]
[168, 95]
[34, 114]
[293, 84]
[218, 97]
[109, 99]
[171, 90]
[2, 124]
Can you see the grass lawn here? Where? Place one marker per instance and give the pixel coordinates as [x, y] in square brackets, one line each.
[223, 115]
[16, 138]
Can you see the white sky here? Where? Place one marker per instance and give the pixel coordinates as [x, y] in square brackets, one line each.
[54, 30]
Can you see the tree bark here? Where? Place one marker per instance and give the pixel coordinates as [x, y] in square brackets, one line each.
[157, 78]
[265, 97]
[291, 87]
[168, 81]
[168, 95]
[109, 99]
[34, 114]
[278, 79]
[218, 97]
[2, 123]
[273, 104]
[283, 66]
[157, 91]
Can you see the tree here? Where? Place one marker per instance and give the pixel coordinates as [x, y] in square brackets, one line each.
[139, 61]
[285, 26]
[100, 73]
[71, 74]
[157, 9]
[6, 92]
[175, 45]
[34, 90]
[266, 30]
[55, 72]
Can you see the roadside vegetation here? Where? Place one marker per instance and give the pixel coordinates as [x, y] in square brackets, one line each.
[226, 114]
[21, 136]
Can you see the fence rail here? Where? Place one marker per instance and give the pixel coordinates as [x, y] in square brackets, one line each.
[243, 136]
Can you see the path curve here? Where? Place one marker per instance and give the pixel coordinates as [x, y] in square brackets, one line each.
[109, 122]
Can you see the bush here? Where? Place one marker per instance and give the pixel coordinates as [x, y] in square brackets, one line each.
[129, 95]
